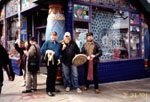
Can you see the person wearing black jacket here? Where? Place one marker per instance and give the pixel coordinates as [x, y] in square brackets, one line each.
[22, 64]
[6, 64]
[70, 72]
[93, 51]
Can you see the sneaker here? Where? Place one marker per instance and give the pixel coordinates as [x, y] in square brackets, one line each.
[78, 90]
[23, 84]
[67, 89]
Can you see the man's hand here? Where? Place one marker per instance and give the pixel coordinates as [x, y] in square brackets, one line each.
[92, 56]
[88, 57]
[64, 46]
[58, 62]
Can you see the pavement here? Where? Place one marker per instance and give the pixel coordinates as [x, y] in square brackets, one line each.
[124, 91]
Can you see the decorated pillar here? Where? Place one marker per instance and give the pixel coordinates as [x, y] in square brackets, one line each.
[55, 21]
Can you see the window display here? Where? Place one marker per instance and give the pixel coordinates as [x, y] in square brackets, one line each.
[111, 31]
[11, 7]
[134, 41]
[80, 31]
[81, 12]
[13, 34]
[134, 19]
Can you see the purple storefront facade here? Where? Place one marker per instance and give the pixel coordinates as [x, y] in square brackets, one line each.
[119, 27]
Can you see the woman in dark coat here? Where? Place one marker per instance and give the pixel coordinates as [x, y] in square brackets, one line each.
[6, 64]
[22, 60]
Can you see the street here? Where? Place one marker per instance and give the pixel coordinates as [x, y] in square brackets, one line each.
[125, 91]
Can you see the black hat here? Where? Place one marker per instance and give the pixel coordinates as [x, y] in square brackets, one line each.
[89, 34]
[32, 39]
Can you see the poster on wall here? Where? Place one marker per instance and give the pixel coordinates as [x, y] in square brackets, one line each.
[23, 28]
[81, 12]
[134, 19]
[81, 37]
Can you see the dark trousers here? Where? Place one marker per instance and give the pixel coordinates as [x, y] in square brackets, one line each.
[95, 75]
[1, 84]
[51, 76]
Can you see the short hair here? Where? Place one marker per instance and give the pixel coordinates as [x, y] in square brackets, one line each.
[54, 33]
[32, 39]
[89, 34]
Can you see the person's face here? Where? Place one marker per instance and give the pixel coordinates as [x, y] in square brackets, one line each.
[31, 42]
[53, 37]
[26, 45]
[67, 39]
[90, 38]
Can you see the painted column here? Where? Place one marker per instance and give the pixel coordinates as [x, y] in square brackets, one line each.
[55, 21]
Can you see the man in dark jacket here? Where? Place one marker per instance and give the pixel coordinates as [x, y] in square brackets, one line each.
[69, 50]
[6, 63]
[93, 51]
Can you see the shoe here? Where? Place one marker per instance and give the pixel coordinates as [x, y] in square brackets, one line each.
[78, 90]
[57, 91]
[27, 91]
[97, 91]
[23, 84]
[85, 89]
[67, 89]
[50, 94]
[34, 89]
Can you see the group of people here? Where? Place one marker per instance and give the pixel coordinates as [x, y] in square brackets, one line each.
[56, 53]
[64, 52]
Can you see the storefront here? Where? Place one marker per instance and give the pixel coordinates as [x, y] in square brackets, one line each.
[119, 28]
[121, 31]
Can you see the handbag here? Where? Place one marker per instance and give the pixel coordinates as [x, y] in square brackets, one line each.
[44, 59]
[33, 63]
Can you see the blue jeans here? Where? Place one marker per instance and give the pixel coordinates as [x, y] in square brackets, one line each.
[70, 74]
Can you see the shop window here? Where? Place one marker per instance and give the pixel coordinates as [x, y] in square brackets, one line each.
[80, 30]
[12, 36]
[81, 12]
[134, 41]
[111, 32]
[11, 7]
[134, 19]
[28, 4]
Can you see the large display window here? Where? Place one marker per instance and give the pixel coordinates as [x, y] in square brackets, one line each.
[116, 31]
[13, 34]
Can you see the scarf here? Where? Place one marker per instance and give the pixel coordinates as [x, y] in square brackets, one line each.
[89, 46]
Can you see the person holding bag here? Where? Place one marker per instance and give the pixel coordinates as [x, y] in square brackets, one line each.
[51, 50]
[32, 66]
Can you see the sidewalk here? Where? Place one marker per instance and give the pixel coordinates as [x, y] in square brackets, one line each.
[129, 91]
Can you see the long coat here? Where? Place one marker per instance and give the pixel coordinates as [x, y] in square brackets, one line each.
[4, 62]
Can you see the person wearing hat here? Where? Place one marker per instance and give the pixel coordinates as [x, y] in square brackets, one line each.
[31, 77]
[51, 50]
[70, 72]
[93, 51]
